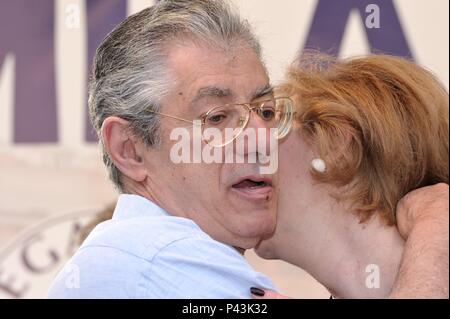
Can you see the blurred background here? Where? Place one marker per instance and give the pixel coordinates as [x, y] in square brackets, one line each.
[52, 181]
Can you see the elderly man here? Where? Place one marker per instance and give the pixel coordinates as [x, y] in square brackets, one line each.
[179, 230]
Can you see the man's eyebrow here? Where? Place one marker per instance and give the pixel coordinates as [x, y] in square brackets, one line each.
[261, 91]
[211, 91]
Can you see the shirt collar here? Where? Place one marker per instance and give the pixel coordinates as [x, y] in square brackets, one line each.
[132, 206]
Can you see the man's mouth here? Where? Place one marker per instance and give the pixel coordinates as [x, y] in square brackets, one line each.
[254, 188]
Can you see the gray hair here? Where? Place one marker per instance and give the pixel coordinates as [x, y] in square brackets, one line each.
[129, 76]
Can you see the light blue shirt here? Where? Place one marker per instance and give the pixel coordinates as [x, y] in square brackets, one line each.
[143, 252]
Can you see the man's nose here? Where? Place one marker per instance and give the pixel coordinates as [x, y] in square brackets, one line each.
[255, 137]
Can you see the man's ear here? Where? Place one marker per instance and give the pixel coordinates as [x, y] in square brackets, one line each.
[122, 147]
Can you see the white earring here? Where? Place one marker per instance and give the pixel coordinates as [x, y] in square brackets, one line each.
[319, 165]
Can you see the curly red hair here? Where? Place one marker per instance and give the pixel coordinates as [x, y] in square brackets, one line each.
[379, 122]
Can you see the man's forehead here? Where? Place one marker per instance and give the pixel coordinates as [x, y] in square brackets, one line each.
[205, 76]
[189, 62]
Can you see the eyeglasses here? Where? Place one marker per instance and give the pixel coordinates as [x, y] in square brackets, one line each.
[230, 120]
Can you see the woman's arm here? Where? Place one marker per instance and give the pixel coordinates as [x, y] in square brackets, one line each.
[423, 219]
